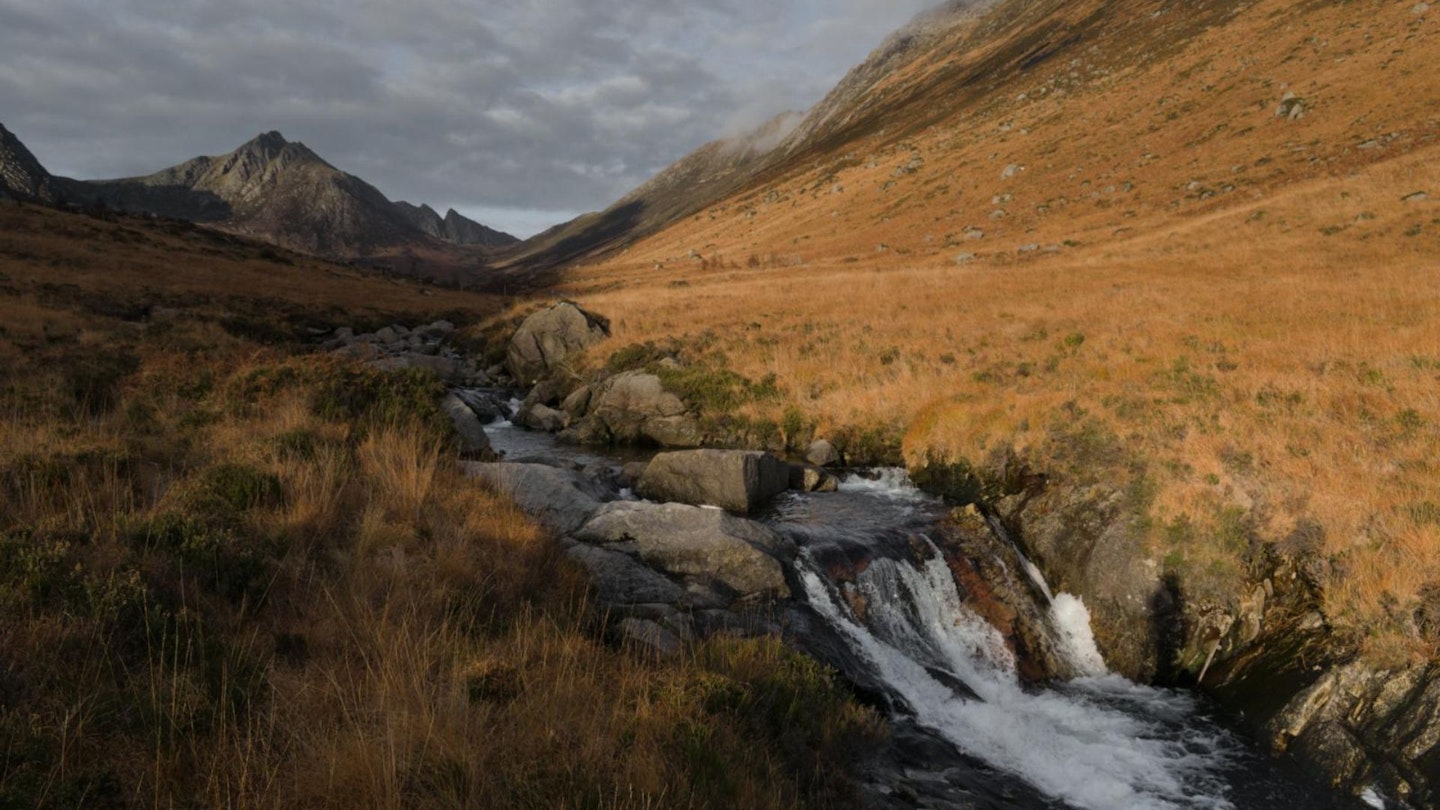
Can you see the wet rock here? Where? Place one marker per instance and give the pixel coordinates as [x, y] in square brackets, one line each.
[543, 341]
[473, 441]
[631, 473]
[822, 453]
[739, 555]
[541, 417]
[739, 481]
[806, 478]
[561, 500]
[487, 407]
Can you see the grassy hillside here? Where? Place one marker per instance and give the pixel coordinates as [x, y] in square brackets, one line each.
[235, 573]
[1185, 250]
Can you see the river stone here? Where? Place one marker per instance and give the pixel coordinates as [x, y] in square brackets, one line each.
[691, 541]
[560, 499]
[634, 408]
[473, 441]
[739, 481]
[547, 337]
[822, 453]
[806, 478]
[541, 417]
[577, 403]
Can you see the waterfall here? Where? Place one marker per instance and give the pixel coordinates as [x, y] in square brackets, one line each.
[1100, 742]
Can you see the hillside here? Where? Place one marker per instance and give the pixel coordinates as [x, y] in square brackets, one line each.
[1177, 260]
[271, 189]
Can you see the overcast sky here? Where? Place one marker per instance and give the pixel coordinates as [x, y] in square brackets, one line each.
[519, 113]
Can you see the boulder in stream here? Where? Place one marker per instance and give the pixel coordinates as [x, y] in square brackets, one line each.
[738, 481]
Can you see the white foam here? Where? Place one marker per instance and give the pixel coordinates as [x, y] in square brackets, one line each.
[1372, 797]
[1074, 747]
[1072, 621]
[889, 482]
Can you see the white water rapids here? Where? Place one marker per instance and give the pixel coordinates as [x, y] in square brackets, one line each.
[1101, 743]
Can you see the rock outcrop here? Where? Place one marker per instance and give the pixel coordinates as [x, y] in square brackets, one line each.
[733, 555]
[634, 407]
[735, 480]
[543, 341]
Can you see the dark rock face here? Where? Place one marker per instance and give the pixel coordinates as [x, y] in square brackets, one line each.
[1258, 642]
[735, 480]
[453, 227]
[473, 441]
[21, 175]
[541, 344]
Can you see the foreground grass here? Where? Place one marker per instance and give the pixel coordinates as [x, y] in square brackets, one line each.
[235, 576]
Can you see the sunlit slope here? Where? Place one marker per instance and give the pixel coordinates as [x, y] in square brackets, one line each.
[1210, 233]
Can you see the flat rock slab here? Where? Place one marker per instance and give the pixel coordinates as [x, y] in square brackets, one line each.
[737, 481]
[740, 555]
[560, 499]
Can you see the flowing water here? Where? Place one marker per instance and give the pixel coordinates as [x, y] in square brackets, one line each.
[894, 622]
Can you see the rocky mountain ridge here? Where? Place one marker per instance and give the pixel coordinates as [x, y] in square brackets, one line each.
[269, 188]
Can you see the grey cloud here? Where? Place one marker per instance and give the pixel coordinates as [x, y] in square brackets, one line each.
[521, 106]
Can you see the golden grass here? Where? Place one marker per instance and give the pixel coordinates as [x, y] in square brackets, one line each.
[226, 586]
[1244, 304]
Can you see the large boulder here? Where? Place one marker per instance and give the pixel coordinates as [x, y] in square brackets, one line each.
[634, 408]
[547, 337]
[473, 441]
[738, 555]
[739, 481]
[562, 500]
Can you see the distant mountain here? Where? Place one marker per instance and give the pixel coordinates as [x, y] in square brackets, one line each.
[269, 188]
[453, 227]
[21, 175]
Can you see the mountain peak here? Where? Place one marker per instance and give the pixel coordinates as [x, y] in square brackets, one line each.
[21, 175]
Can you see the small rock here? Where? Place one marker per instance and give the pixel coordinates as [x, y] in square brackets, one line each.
[805, 478]
[1011, 170]
[974, 233]
[964, 258]
[542, 417]
[1419, 196]
[822, 453]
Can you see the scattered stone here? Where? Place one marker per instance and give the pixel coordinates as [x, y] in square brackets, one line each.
[998, 213]
[974, 233]
[1029, 248]
[543, 341]
[473, 441]
[964, 258]
[1292, 107]
[691, 541]
[736, 480]
[1011, 170]
[1419, 196]
[822, 453]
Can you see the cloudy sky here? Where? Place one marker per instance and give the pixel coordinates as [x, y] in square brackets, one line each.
[520, 113]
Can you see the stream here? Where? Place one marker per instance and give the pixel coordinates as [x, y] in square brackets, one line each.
[875, 598]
